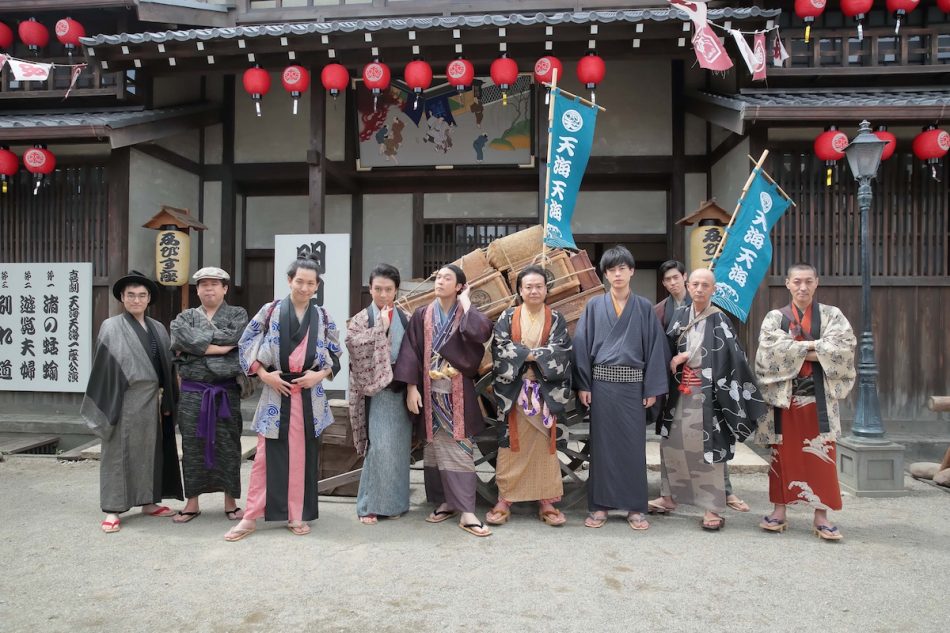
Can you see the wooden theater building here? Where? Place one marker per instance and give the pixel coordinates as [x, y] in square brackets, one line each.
[160, 116]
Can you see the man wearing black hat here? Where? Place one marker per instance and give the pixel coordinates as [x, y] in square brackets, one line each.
[130, 404]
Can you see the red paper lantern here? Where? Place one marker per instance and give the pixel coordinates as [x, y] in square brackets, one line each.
[504, 72]
[418, 76]
[590, 71]
[6, 37]
[9, 166]
[808, 10]
[900, 8]
[335, 78]
[296, 79]
[891, 140]
[944, 5]
[931, 145]
[829, 147]
[544, 69]
[460, 73]
[857, 9]
[33, 34]
[68, 32]
[376, 76]
[40, 162]
[256, 82]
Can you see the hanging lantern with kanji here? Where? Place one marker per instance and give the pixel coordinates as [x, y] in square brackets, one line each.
[418, 76]
[829, 147]
[256, 82]
[40, 162]
[900, 9]
[808, 10]
[590, 71]
[9, 166]
[891, 140]
[544, 73]
[930, 146]
[6, 37]
[335, 78]
[944, 5]
[33, 34]
[296, 80]
[504, 73]
[376, 76]
[461, 73]
[68, 32]
[858, 10]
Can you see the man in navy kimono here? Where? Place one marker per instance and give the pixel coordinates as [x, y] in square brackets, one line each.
[620, 359]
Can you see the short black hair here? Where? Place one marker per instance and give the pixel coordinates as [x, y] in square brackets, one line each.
[459, 275]
[307, 263]
[533, 269]
[800, 266]
[385, 270]
[669, 265]
[616, 256]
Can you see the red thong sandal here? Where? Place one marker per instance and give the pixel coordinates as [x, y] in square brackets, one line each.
[110, 526]
[161, 512]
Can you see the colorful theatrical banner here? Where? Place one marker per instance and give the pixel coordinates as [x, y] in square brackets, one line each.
[570, 138]
[747, 253]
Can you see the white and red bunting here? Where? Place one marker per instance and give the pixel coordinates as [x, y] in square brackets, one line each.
[758, 48]
[29, 71]
[710, 53]
[754, 56]
[779, 54]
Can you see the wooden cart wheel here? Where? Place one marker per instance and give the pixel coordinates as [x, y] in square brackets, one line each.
[572, 447]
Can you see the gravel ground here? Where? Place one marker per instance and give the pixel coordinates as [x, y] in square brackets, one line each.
[60, 573]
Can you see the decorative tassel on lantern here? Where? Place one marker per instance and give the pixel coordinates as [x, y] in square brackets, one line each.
[829, 147]
[40, 162]
[808, 10]
[296, 80]
[930, 146]
[857, 9]
[9, 166]
[504, 73]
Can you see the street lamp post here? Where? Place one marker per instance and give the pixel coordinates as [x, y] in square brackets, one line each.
[864, 158]
[868, 464]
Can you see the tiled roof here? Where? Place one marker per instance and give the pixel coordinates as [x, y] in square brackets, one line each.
[748, 102]
[104, 119]
[435, 22]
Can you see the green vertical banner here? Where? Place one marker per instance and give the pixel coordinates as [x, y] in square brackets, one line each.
[571, 136]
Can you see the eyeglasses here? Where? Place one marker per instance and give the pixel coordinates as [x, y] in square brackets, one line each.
[137, 297]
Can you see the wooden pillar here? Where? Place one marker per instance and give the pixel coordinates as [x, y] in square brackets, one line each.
[418, 233]
[356, 253]
[228, 191]
[676, 237]
[118, 231]
[541, 147]
[316, 159]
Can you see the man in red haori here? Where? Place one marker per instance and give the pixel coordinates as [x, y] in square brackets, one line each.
[805, 365]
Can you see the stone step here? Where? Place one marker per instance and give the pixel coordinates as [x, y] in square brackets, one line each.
[11, 443]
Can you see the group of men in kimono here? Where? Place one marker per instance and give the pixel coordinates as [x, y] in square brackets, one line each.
[679, 362]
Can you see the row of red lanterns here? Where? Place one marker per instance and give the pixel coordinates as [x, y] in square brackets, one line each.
[930, 146]
[36, 36]
[38, 160]
[808, 10]
[418, 74]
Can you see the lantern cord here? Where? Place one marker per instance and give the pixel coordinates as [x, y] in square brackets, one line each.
[722, 28]
[745, 190]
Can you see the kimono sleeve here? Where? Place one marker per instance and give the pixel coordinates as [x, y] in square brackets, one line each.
[189, 338]
[409, 364]
[252, 339]
[333, 344]
[475, 327]
[656, 355]
[835, 350]
[508, 357]
[553, 360]
[229, 333]
[583, 340]
[105, 393]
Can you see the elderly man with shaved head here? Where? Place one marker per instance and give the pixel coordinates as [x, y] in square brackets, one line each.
[713, 404]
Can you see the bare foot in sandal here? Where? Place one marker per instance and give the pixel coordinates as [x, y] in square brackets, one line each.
[595, 519]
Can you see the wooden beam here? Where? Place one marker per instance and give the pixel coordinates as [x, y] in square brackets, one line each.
[356, 252]
[730, 143]
[676, 207]
[228, 200]
[142, 132]
[167, 156]
[119, 169]
[316, 159]
[418, 220]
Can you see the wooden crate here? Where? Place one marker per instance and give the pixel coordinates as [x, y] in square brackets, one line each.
[409, 303]
[475, 265]
[588, 278]
[491, 295]
[557, 268]
[573, 307]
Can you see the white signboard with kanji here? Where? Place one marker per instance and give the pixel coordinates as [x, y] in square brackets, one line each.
[45, 326]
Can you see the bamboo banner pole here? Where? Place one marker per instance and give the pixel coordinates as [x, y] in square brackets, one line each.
[586, 102]
[772, 181]
[745, 190]
[547, 169]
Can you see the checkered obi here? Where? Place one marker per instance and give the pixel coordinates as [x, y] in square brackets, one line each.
[617, 373]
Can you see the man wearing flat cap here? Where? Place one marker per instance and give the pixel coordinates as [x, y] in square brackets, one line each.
[130, 404]
[204, 341]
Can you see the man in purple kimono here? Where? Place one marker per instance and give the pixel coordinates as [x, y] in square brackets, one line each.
[438, 362]
[620, 359]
